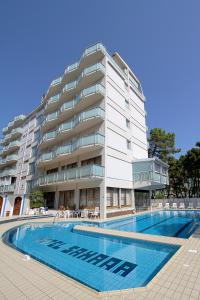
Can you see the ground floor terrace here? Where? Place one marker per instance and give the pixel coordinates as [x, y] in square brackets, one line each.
[22, 277]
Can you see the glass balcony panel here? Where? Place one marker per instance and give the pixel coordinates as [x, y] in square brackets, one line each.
[56, 81]
[72, 67]
[66, 126]
[53, 99]
[50, 135]
[52, 116]
[70, 85]
[68, 105]
[47, 156]
[63, 149]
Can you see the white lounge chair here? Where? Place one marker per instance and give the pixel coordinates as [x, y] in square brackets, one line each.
[95, 213]
[174, 205]
[182, 205]
[68, 214]
[160, 205]
[198, 205]
[84, 213]
[190, 206]
[167, 205]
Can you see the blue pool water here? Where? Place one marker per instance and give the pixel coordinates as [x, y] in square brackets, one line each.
[168, 223]
[100, 262]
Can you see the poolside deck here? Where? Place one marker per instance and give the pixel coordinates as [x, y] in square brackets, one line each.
[28, 279]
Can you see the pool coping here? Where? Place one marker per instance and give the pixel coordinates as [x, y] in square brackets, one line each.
[174, 271]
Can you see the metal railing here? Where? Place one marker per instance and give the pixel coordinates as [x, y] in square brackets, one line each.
[93, 139]
[87, 171]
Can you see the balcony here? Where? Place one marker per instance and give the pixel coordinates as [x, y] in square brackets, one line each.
[8, 172]
[52, 102]
[75, 147]
[150, 174]
[17, 121]
[9, 160]
[13, 146]
[90, 55]
[85, 98]
[7, 188]
[77, 124]
[15, 133]
[90, 172]
[89, 75]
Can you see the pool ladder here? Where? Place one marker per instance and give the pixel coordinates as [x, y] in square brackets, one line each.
[56, 216]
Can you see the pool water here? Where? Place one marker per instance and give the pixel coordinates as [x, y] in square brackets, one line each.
[100, 262]
[168, 223]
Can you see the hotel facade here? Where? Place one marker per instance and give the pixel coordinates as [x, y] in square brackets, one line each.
[85, 145]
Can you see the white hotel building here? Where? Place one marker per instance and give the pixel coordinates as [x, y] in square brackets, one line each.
[85, 145]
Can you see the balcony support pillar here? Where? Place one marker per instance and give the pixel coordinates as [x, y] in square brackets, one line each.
[102, 200]
[76, 197]
[56, 201]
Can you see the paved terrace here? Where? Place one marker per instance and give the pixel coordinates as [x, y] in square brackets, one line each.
[30, 279]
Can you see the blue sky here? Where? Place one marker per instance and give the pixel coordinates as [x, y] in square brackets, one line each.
[158, 39]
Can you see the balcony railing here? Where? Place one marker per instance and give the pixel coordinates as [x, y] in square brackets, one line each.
[87, 52]
[12, 157]
[89, 140]
[11, 145]
[56, 81]
[83, 116]
[8, 172]
[95, 89]
[87, 71]
[12, 123]
[7, 188]
[88, 171]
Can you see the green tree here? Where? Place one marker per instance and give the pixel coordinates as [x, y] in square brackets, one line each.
[36, 199]
[191, 165]
[162, 144]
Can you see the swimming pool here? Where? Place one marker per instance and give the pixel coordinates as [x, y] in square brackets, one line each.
[168, 223]
[100, 262]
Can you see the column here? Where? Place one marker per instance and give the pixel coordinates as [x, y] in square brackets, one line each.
[133, 199]
[103, 200]
[3, 210]
[76, 197]
[56, 201]
[120, 194]
[22, 204]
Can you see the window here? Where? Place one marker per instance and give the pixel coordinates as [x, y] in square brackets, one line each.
[127, 123]
[92, 161]
[26, 161]
[112, 197]
[23, 177]
[89, 198]
[128, 144]
[51, 171]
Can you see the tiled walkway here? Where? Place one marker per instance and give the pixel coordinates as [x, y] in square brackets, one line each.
[29, 279]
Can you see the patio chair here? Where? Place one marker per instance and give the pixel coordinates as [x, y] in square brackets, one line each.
[167, 205]
[160, 205]
[174, 205]
[198, 205]
[95, 213]
[68, 214]
[182, 205]
[190, 206]
[84, 213]
[31, 212]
